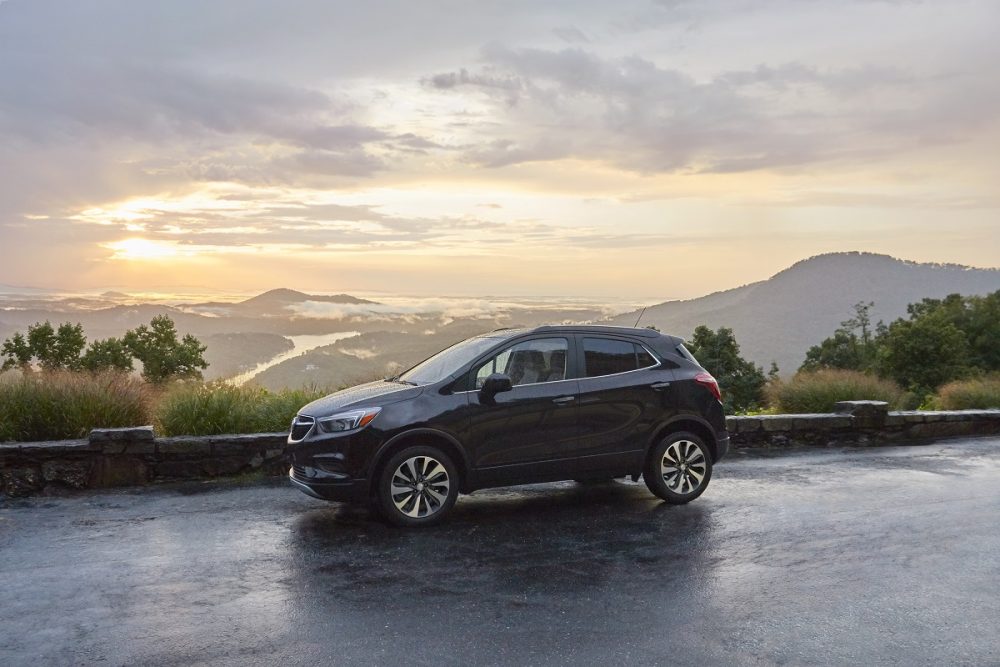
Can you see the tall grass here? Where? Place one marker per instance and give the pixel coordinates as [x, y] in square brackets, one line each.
[53, 406]
[216, 408]
[819, 391]
[975, 394]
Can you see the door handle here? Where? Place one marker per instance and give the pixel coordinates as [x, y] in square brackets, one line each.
[659, 386]
[563, 400]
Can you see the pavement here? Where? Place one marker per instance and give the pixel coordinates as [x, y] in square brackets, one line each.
[866, 556]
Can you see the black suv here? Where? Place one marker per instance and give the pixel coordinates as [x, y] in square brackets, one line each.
[516, 406]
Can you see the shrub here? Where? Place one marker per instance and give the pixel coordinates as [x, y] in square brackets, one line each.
[819, 391]
[216, 408]
[58, 405]
[979, 393]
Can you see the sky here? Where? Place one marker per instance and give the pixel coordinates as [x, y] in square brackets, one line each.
[658, 147]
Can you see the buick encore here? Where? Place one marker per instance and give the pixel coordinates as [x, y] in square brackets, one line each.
[515, 406]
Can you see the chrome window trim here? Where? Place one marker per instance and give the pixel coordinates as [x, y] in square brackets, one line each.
[526, 384]
[658, 364]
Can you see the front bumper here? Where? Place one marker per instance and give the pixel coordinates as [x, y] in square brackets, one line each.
[344, 491]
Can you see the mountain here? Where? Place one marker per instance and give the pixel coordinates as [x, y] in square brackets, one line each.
[273, 303]
[283, 297]
[780, 318]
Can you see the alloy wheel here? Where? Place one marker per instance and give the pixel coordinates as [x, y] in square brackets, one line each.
[419, 486]
[683, 467]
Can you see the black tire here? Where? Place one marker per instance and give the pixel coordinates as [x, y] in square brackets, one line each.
[673, 466]
[422, 505]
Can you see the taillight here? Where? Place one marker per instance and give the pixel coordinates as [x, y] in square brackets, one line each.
[706, 380]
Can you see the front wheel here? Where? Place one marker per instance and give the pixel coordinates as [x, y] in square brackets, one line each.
[679, 468]
[417, 487]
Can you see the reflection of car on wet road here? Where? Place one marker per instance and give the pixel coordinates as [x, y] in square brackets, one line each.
[516, 406]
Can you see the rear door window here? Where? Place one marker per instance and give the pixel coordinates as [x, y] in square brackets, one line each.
[607, 356]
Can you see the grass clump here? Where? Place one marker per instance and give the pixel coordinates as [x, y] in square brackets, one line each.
[216, 408]
[61, 404]
[975, 394]
[819, 391]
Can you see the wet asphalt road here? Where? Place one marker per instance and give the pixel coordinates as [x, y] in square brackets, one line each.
[840, 557]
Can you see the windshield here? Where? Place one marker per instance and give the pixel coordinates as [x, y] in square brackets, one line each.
[447, 361]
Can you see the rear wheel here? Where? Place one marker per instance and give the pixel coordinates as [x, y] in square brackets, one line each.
[417, 487]
[679, 468]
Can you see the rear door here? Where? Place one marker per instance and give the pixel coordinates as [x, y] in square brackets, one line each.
[624, 394]
[523, 434]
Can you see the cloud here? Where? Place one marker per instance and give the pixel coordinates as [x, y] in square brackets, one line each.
[331, 130]
[89, 114]
[644, 117]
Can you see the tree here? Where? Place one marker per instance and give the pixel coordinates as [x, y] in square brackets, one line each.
[163, 357]
[977, 317]
[17, 353]
[851, 347]
[741, 381]
[107, 354]
[941, 340]
[924, 353]
[861, 321]
[69, 343]
[55, 349]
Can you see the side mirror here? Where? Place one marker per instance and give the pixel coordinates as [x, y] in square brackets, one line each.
[495, 384]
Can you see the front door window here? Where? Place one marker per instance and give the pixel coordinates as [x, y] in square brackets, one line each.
[528, 362]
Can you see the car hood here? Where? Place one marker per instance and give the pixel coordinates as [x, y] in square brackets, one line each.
[379, 392]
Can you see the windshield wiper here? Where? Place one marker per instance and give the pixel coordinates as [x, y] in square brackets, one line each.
[395, 378]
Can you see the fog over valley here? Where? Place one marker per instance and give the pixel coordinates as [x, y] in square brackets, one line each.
[287, 338]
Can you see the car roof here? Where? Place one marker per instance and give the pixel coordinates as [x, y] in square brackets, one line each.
[578, 328]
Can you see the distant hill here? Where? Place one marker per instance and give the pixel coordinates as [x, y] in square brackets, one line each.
[273, 303]
[780, 318]
[283, 296]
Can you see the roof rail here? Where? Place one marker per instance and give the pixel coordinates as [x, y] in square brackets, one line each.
[601, 328]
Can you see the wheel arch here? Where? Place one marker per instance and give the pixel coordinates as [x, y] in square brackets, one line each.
[689, 423]
[421, 436]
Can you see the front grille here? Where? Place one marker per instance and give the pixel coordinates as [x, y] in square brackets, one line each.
[299, 471]
[301, 427]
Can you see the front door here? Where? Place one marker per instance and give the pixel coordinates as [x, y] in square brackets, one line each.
[520, 434]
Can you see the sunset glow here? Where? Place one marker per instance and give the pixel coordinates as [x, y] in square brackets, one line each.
[582, 149]
[142, 249]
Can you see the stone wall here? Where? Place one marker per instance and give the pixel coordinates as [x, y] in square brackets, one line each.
[858, 423]
[133, 456]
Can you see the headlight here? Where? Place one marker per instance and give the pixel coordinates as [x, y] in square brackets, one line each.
[348, 421]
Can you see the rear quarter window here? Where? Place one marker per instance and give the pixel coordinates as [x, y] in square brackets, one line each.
[608, 356]
[685, 353]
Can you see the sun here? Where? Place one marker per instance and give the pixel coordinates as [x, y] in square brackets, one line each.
[143, 249]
